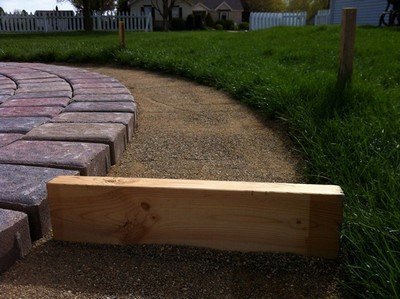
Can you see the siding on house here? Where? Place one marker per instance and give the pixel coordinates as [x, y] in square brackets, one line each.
[136, 9]
[197, 5]
[368, 11]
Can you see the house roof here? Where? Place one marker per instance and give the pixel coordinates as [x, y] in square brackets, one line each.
[213, 4]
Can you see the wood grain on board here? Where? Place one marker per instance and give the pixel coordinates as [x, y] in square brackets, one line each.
[243, 216]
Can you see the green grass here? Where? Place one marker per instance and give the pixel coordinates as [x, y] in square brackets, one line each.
[350, 138]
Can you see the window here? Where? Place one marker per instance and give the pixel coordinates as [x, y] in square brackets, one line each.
[223, 15]
[176, 12]
[147, 9]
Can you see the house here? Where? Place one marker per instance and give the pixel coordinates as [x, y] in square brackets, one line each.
[218, 9]
[368, 11]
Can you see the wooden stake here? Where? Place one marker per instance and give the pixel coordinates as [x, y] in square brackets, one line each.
[348, 35]
[121, 34]
[244, 216]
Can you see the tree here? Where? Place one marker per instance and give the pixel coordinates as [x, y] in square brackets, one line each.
[262, 5]
[299, 5]
[95, 5]
[86, 7]
[164, 8]
[2, 12]
[122, 6]
[310, 6]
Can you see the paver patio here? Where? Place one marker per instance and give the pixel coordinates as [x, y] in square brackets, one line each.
[54, 120]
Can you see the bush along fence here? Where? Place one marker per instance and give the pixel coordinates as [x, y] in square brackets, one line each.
[67, 21]
[264, 20]
[323, 17]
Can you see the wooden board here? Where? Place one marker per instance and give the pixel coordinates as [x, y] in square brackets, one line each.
[243, 216]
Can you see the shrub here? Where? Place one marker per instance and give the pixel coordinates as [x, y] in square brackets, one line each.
[198, 22]
[244, 26]
[209, 21]
[190, 22]
[220, 22]
[229, 25]
[219, 27]
[178, 24]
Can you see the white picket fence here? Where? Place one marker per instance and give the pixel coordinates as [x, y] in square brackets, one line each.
[64, 22]
[263, 20]
[323, 17]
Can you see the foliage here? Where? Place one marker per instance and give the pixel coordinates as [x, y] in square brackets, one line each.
[310, 6]
[209, 21]
[164, 8]
[198, 22]
[95, 5]
[177, 25]
[2, 12]
[226, 24]
[190, 22]
[122, 6]
[262, 5]
[350, 138]
[244, 26]
[219, 27]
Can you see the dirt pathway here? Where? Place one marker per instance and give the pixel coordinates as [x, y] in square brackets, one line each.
[193, 132]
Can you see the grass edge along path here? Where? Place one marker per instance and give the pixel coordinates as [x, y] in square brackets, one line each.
[349, 138]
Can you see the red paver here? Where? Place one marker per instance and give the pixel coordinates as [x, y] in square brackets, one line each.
[88, 158]
[29, 111]
[101, 107]
[40, 140]
[112, 134]
[6, 139]
[46, 102]
[127, 119]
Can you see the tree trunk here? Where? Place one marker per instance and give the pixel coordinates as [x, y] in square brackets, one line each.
[87, 18]
[165, 15]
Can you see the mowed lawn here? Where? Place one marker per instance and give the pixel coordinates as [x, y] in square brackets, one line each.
[350, 138]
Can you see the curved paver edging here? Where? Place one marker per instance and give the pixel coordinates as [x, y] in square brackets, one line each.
[54, 120]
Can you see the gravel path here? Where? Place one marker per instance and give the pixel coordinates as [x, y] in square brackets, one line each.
[193, 132]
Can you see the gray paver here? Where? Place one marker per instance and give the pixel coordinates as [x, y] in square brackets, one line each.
[29, 111]
[7, 91]
[104, 98]
[98, 90]
[92, 80]
[101, 107]
[46, 102]
[15, 241]
[43, 94]
[112, 134]
[20, 124]
[23, 188]
[7, 85]
[6, 139]
[3, 98]
[94, 85]
[127, 119]
[42, 87]
[88, 158]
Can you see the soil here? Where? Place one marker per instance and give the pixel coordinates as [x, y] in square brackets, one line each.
[185, 131]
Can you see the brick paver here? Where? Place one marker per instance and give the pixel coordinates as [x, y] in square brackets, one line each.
[54, 120]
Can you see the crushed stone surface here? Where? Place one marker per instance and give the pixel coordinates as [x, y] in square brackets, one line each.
[185, 131]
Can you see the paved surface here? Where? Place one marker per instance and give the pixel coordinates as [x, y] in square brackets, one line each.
[54, 120]
[186, 131]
